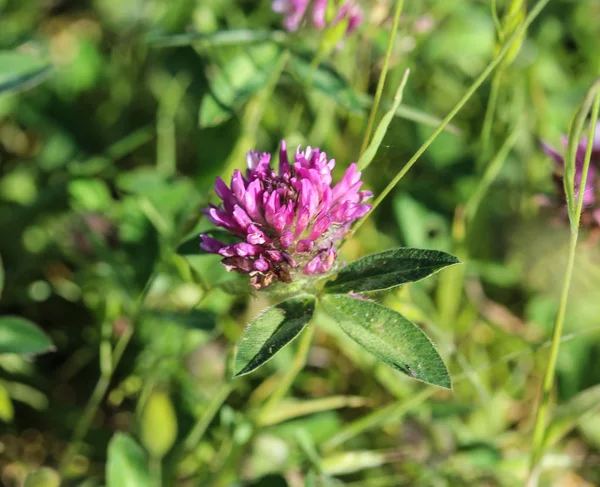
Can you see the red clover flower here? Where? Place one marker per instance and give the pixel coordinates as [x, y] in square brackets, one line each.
[287, 221]
[296, 10]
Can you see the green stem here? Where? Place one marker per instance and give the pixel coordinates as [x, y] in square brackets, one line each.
[289, 377]
[490, 111]
[490, 174]
[548, 382]
[195, 435]
[473, 88]
[156, 471]
[497, 20]
[84, 423]
[384, 72]
[108, 365]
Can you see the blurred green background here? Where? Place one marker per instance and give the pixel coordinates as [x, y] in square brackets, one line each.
[107, 157]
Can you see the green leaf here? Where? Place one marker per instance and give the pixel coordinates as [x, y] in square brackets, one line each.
[126, 465]
[271, 331]
[239, 79]
[389, 269]
[18, 335]
[568, 415]
[293, 408]
[353, 461]
[390, 337]
[326, 79]
[19, 71]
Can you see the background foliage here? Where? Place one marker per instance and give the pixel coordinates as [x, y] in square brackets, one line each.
[125, 113]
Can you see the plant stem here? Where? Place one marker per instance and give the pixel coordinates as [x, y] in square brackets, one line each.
[472, 89]
[497, 23]
[490, 174]
[84, 423]
[289, 377]
[548, 382]
[490, 111]
[108, 366]
[156, 471]
[384, 72]
[195, 435]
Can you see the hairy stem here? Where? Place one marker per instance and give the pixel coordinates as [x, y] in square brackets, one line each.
[548, 382]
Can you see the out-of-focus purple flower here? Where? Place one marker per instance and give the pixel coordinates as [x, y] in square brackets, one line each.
[591, 192]
[295, 12]
[289, 220]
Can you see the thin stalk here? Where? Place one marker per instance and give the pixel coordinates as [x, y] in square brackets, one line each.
[548, 382]
[384, 72]
[490, 174]
[497, 23]
[156, 471]
[84, 423]
[490, 112]
[108, 365]
[198, 430]
[289, 377]
[472, 89]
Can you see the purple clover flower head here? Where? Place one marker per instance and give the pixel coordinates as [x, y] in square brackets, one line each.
[288, 221]
[592, 184]
[295, 11]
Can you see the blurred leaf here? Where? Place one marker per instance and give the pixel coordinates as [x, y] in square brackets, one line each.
[272, 330]
[237, 81]
[293, 408]
[219, 38]
[568, 415]
[326, 79]
[367, 157]
[271, 480]
[7, 411]
[18, 335]
[421, 228]
[352, 461]
[192, 245]
[45, 477]
[237, 287]
[389, 269]
[409, 113]
[196, 319]
[126, 465]
[1, 276]
[332, 36]
[158, 424]
[90, 195]
[480, 455]
[20, 71]
[390, 337]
